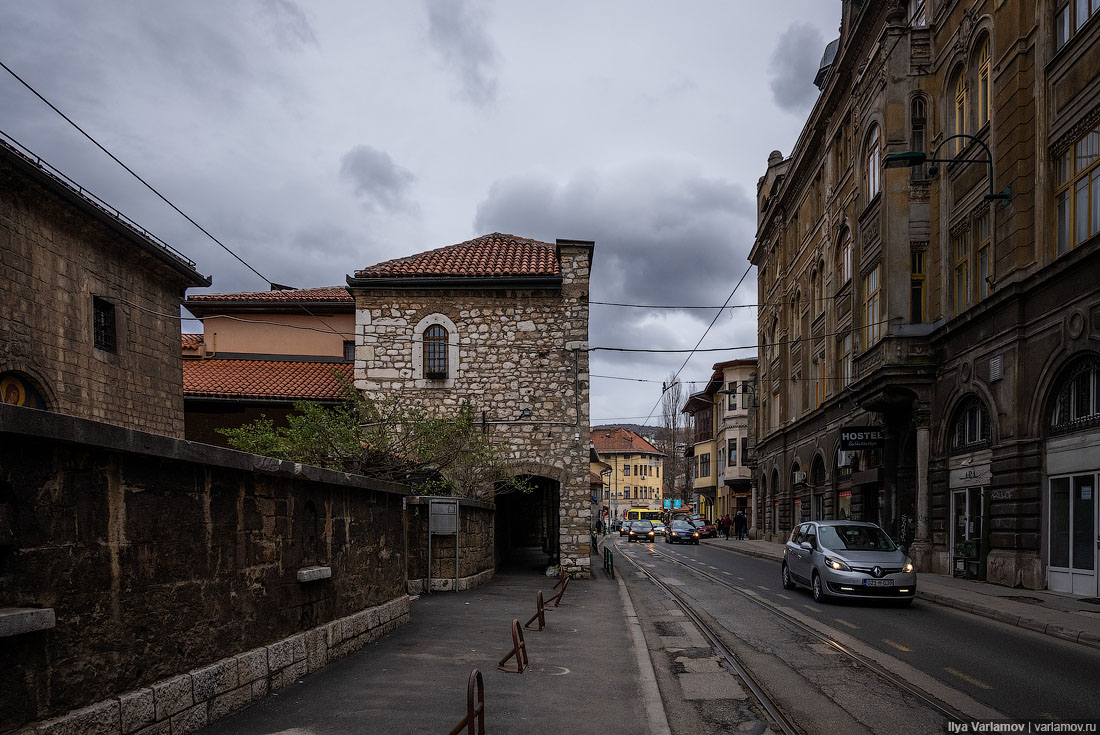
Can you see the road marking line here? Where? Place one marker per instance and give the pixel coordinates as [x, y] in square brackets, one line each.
[811, 607]
[741, 578]
[968, 679]
[710, 567]
[768, 589]
[853, 626]
[727, 574]
[780, 594]
[898, 646]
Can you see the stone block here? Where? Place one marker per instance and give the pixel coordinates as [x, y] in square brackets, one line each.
[335, 633]
[137, 710]
[99, 719]
[161, 728]
[226, 704]
[297, 647]
[280, 655]
[191, 719]
[218, 678]
[260, 689]
[314, 574]
[316, 649]
[252, 665]
[172, 696]
[19, 620]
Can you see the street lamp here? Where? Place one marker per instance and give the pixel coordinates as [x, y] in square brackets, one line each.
[909, 159]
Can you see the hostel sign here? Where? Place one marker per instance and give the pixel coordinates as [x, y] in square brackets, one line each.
[861, 437]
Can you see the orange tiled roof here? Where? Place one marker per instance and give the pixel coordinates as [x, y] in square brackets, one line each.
[265, 379]
[324, 293]
[191, 341]
[619, 440]
[594, 479]
[486, 256]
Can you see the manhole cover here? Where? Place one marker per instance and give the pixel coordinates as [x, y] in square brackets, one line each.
[1020, 598]
[1091, 600]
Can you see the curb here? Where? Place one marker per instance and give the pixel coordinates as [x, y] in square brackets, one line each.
[1056, 631]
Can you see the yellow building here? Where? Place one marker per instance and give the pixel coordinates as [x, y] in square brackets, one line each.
[635, 477]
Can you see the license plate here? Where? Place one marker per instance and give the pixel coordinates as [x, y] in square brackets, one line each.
[878, 583]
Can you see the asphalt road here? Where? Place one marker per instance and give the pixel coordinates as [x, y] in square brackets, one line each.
[1015, 671]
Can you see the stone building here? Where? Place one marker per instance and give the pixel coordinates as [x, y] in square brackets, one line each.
[929, 334]
[261, 352]
[720, 420]
[499, 323]
[635, 480]
[89, 305]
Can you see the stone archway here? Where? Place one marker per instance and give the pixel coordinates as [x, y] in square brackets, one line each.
[527, 527]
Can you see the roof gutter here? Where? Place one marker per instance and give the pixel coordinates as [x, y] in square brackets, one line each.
[456, 282]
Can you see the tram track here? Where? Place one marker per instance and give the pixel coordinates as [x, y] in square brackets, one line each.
[767, 702]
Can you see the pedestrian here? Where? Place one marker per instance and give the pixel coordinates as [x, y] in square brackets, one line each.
[739, 524]
[599, 526]
[724, 524]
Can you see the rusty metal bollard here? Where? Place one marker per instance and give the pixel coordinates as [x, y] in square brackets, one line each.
[473, 713]
[556, 599]
[539, 616]
[519, 650]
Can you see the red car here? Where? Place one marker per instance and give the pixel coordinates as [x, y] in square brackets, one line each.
[706, 528]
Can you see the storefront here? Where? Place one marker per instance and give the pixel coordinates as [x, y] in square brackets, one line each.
[968, 483]
[1073, 546]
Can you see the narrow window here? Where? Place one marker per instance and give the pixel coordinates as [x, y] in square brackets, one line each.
[916, 135]
[960, 109]
[918, 17]
[435, 352]
[961, 249]
[916, 287]
[1077, 193]
[103, 322]
[844, 363]
[844, 260]
[731, 405]
[985, 104]
[981, 271]
[349, 350]
[873, 164]
[872, 308]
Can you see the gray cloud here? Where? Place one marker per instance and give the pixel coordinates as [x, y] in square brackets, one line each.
[379, 181]
[663, 236]
[456, 31]
[793, 65]
[289, 24]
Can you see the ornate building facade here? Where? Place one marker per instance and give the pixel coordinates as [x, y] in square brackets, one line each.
[929, 334]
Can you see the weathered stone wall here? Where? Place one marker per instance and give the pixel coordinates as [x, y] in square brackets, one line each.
[476, 564]
[160, 557]
[516, 350]
[54, 257]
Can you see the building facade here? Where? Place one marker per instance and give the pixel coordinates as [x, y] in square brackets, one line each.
[636, 466]
[261, 352]
[498, 323]
[89, 305]
[720, 415]
[929, 334]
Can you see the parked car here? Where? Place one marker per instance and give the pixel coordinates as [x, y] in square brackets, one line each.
[641, 531]
[849, 559]
[681, 532]
[706, 528]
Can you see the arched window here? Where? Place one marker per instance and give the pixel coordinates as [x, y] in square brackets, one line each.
[959, 119]
[817, 472]
[985, 104]
[1077, 401]
[435, 352]
[970, 429]
[844, 259]
[917, 127]
[873, 158]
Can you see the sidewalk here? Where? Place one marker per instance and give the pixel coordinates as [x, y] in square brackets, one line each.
[1061, 616]
[583, 675]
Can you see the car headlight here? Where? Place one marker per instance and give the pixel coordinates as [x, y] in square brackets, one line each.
[907, 566]
[837, 564]
[651, 533]
[695, 535]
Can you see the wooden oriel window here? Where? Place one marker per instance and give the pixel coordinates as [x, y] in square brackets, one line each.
[435, 352]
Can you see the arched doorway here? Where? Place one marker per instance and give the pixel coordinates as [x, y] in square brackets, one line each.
[527, 525]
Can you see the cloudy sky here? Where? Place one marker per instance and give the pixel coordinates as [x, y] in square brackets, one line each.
[315, 138]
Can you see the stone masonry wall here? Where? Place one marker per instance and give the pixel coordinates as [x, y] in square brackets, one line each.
[516, 350]
[476, 564]
[53, 259]
[160, 558]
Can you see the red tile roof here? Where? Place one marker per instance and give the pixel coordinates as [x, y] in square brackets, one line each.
[594, 479]
[265, 379]
[621, 441]
[486, 256]
[306, 295]
[191, 341]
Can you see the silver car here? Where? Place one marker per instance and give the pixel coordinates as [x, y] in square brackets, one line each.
[849, 559]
